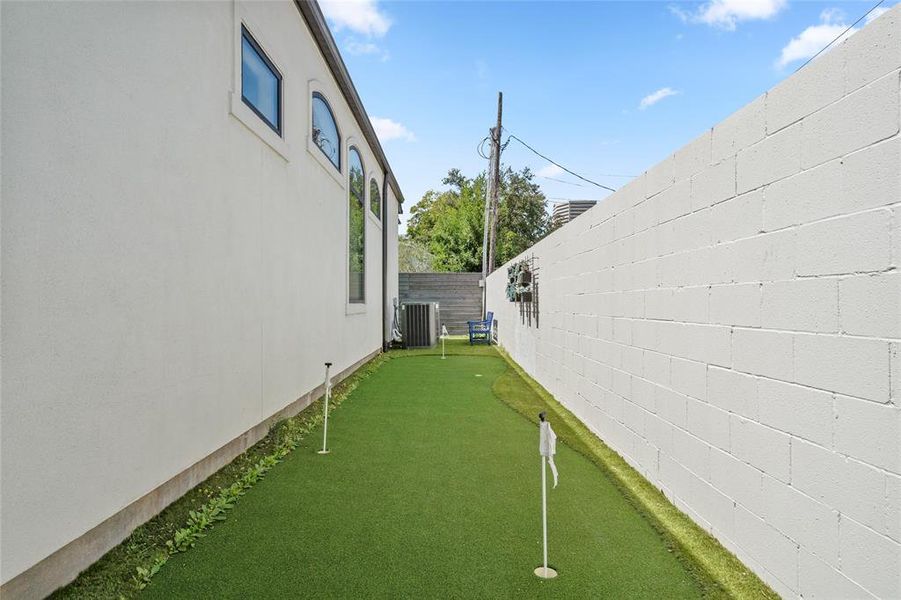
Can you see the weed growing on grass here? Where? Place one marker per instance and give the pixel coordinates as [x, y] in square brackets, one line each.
[129, 568]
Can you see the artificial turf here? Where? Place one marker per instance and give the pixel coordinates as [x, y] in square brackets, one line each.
[431, 491]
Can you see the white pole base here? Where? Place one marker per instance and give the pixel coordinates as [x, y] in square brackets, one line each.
[323, 452]
[545, 572]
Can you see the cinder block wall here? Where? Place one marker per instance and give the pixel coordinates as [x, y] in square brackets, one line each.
[729, 322]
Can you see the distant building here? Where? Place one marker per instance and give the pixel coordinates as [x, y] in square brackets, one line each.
[564, 212]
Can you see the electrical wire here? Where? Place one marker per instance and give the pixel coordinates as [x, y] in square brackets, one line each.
[579, 184]
[562, 181]
[622, 176]
[510, 136]
[561, 200]
[481, 147]
[839, 36]
[553, 162]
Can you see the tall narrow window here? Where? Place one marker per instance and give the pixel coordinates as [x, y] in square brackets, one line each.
[325, 130]
[375, 199]
[356, 266]
[261, 83]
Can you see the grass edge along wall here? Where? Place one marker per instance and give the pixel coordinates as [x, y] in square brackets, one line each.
[728, 323]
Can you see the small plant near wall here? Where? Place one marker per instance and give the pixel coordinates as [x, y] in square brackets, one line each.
[522, 287]
[512, 274]
[519, 282]
[211, 512]
[287, 436]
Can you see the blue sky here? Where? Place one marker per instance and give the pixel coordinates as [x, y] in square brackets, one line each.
[604, 88]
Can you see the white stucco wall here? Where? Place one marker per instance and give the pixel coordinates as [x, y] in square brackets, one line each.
[393, 284]
[729, 322]
[173, 273]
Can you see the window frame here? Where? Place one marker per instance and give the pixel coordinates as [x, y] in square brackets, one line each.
[354, 305]
[317, 94]
[247, 35]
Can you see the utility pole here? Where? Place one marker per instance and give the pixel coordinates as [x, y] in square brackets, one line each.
[486, 226]
[491, 196]
[496, 184]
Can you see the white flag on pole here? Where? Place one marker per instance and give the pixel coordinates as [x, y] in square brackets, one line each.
[547, 446]
[444, 332]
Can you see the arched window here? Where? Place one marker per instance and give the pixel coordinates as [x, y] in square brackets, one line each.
[325, 130]
[356, 266]
[375, 199]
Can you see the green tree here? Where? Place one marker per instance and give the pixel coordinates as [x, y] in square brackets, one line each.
[522, 214]
[449, 223]
[413, 257]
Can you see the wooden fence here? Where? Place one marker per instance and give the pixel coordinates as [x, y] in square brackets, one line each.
[458, 294]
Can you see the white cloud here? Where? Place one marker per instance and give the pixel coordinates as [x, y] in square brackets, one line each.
[359, 48]
[360, 16]
[550, 170]
[877, 12]
[815, 38]
[832, 16]
[655, 97]
[725, 14]
[388, 129]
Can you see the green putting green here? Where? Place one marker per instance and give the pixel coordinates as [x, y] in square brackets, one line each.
[432, 490]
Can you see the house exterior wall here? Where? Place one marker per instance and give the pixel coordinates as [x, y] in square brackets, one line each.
[729, 323]
[392, 286]
[173, 273]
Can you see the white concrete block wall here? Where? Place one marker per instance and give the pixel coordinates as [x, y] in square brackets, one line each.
[729, 322]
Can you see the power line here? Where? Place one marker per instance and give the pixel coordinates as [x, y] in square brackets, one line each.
[839, 36]
[557, 200]
[553, 162]
[562, 181]
[622, 176]
[579, 184]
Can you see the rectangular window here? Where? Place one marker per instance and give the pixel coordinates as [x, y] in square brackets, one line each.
[261, 83]
[356, 275]
[375, 199]
[357, 271]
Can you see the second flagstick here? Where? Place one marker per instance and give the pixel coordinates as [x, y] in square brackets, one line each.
[547, 447]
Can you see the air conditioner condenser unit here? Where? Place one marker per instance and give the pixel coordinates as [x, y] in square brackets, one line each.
[421, 324]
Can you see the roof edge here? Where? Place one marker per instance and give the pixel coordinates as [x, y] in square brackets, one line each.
[315, 20]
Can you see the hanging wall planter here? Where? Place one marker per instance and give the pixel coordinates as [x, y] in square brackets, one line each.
[511, 282]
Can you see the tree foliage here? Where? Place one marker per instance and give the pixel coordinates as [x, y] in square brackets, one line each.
[449, 223]
[413, 257]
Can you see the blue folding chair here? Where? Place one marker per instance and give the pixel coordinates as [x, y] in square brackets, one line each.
[480, 331]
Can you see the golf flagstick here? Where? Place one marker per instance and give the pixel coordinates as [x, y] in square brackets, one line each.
[328, 393]
[547, 447]
[443, 335]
